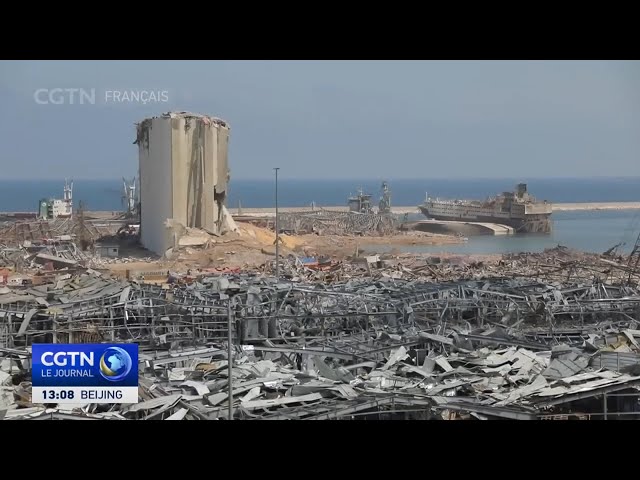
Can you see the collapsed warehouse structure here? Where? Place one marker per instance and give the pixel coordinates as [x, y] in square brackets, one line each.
[79, 228]
[533, 336]
[184, 174]
[325, 222]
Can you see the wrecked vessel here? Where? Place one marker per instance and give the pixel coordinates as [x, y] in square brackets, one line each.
[517, 209]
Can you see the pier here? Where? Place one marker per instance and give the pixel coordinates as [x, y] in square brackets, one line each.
[402, 210]
[467, 229]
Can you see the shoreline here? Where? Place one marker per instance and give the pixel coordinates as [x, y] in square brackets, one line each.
[567, 207]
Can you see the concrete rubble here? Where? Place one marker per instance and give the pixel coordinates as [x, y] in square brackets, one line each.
[551, 335]
[38, 257]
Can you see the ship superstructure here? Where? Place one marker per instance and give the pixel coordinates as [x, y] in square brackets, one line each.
[517, 209]
[362, 202]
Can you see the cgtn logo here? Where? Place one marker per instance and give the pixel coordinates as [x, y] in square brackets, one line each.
[72, 373]
[68, 96]
[115, 364]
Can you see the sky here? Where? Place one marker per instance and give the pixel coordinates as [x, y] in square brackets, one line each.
[331, 119]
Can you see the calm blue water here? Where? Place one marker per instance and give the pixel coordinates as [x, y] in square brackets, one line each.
[18, 195]
[593, 231]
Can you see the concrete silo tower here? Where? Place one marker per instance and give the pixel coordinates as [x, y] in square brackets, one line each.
[183, 176]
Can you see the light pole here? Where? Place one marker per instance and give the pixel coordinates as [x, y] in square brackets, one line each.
[230, 359]
[277, 231]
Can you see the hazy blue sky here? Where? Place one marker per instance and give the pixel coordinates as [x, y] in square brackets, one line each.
[331, 119]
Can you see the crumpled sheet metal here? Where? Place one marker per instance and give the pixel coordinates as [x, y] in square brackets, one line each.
[505, 377]
[359, 346]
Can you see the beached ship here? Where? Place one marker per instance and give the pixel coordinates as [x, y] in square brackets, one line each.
[517, 209]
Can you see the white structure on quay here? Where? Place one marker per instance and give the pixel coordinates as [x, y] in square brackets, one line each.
[53, 208]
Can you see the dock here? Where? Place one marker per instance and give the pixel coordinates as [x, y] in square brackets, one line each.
[468, 229]
[402, 210]
[270, 212]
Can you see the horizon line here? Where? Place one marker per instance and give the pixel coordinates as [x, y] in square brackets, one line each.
[357, 179]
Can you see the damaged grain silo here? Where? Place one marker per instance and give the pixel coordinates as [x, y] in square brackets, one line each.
[184, 173]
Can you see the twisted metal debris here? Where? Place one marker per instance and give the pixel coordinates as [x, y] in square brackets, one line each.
[531, 336]
[37, 230]
[325, 222]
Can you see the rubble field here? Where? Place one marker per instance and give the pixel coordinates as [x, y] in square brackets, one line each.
[553, 335]
[26, 244]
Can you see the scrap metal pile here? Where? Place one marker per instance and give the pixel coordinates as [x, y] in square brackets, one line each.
[513, 346]
[37, 230]
[66, 254]
[558, 264]
[325, 222]
[36, 256]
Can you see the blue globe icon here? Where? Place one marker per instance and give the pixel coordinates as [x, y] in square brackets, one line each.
[115, 364]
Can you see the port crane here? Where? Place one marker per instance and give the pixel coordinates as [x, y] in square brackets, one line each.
[384, 206]
[129, 196]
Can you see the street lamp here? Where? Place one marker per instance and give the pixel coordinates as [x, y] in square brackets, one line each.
[230, 359]
[277, 230]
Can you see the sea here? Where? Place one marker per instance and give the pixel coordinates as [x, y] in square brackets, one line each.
[594, 231]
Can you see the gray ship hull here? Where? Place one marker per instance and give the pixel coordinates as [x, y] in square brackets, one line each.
[529, 224]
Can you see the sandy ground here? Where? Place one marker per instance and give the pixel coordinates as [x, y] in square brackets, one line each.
[254, 246]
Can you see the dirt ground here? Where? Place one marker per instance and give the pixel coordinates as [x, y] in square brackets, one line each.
[253, 246]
